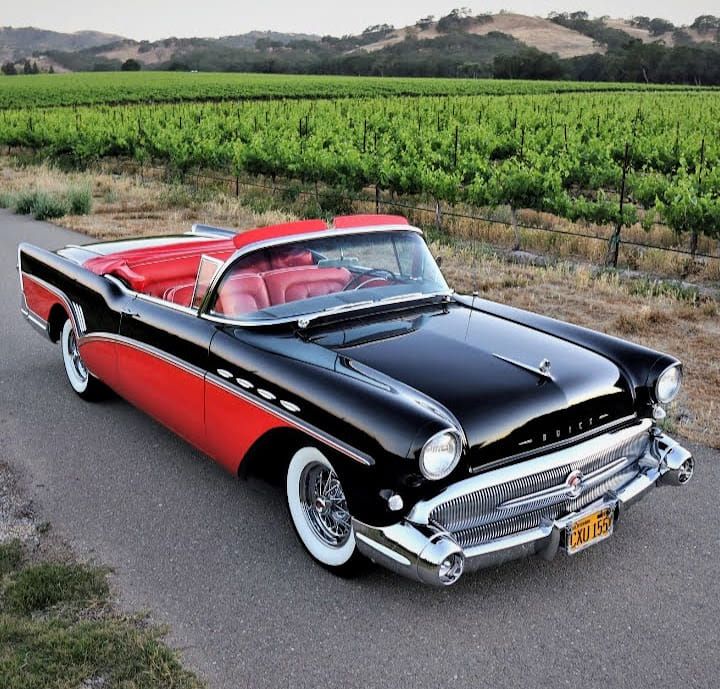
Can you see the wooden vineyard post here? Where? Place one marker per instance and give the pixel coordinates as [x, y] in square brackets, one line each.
[614, 244]
[377, 199]
[438, 216]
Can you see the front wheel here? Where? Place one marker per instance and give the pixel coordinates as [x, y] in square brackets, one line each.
[319, 512]
[81, 380]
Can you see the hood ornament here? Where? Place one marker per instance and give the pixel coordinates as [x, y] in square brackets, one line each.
[542, 370]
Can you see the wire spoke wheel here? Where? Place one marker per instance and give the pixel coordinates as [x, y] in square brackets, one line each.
[319, 512]
[324, 504]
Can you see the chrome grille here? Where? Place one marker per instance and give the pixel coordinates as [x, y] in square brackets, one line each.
[481, 515]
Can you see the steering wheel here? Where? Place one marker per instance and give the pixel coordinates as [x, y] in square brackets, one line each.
[356, 282]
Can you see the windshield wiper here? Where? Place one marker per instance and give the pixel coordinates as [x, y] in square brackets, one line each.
[304, 321]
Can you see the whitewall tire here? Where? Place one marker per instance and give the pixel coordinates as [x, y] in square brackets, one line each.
[80, 379]
[319, 511]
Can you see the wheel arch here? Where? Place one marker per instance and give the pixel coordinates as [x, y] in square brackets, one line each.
[57, 317]
[270, 455]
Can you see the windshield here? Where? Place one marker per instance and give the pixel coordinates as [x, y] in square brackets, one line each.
[329, 273]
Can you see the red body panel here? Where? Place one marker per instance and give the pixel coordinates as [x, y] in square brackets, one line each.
[216, 421]
[345, 221]
[100, 357]
[168, 392]
[233, 425]
[39, 299]
[276, 231]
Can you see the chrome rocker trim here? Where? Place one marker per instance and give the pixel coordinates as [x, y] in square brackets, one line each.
[421, 550]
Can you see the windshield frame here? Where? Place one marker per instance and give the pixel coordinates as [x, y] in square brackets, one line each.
[204, 309]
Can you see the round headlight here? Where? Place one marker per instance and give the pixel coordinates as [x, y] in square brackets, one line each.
[668, 384]
[440, 455]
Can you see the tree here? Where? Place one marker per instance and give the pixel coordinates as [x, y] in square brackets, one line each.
[8, 68]
[706, 22]
[51, 70]
[379, 28]
[658, 27]
[131, 65]
[27, 67]
[34, 69]
[457, 20]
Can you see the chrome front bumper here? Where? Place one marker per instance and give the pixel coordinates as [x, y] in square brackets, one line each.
[427, 553]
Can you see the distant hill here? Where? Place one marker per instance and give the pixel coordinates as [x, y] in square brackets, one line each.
[535, 32]
[17, 44]
[563, 45]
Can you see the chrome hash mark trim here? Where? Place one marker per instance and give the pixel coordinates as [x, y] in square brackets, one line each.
[311, 430]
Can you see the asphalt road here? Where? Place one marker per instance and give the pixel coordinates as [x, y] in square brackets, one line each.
[216, 559]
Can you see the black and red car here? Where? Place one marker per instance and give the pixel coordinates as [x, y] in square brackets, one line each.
[431, 432]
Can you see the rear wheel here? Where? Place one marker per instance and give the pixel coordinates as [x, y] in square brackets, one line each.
[81, 380]
[319, 512]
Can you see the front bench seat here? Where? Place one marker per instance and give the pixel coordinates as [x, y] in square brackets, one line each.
[242, 293]
[292, 284]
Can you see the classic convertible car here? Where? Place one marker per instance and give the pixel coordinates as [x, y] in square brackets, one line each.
[431, 432]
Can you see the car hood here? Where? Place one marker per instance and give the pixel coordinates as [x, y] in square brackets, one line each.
[485, 371]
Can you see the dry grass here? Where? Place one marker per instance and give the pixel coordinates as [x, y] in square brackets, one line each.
[688, 330]
[534, 31]
[126, 206]
[673, 320]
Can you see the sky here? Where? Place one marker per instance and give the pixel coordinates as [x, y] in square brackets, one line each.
[154, 19]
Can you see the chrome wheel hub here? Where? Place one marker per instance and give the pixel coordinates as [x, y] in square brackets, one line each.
[75, 357]
[324, 505]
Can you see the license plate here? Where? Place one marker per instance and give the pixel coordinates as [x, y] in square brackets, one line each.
[588, 530]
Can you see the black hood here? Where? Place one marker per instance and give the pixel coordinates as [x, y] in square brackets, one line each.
[485, 370]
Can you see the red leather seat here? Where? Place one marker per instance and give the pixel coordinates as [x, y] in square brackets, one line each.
[243, 293]
[290, 258]
[181, 294]
[291, 284]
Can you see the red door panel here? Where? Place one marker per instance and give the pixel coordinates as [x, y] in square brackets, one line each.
[170, 391]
